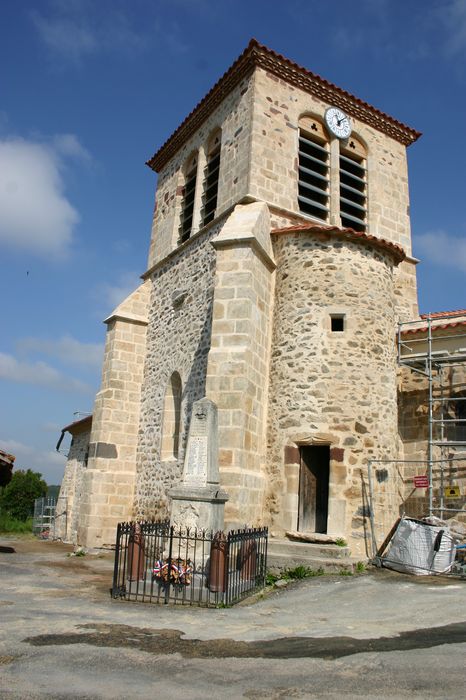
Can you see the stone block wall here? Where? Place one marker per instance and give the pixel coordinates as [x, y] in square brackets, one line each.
[330, 388]
[233, 117]
[278, 107]
[237, 373]
[178, 340]
[109, 481]
[68, 502]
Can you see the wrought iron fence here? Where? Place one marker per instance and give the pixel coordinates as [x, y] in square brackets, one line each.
[158, 563]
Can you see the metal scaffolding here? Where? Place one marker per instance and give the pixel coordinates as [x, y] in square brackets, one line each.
[435, 347]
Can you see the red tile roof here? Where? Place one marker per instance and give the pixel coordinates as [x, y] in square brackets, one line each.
[348, 234]
[258, 55]
[444, 314]
[78, 425]
[438, 327]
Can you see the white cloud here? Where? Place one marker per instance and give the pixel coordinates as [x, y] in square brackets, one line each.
[443, 249]
[113, 294]
[66, 349]
[65, 35]
[34, 212]
[40, 374]
[77, 30]
[68, 145]
[48, 462]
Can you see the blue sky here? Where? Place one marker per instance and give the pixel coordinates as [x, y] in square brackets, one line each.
[89, 89]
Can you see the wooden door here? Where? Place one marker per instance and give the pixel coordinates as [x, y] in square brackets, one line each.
[313, 488]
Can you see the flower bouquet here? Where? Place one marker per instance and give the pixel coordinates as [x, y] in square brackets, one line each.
[178, 572]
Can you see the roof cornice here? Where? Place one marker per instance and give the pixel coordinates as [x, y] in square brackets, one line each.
[258, 55]
[347, 234]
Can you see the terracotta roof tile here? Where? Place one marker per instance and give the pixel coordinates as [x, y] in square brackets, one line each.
[258, 55]
[444, 314]
[78, 424]
[349, 234]
[438, 327]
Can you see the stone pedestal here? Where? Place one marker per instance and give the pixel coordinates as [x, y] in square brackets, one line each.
[199, 500]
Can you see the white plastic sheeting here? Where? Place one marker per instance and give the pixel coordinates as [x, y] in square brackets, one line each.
[421, 549]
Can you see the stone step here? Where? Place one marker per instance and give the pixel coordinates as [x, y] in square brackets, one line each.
[285, 547]
[278, 563]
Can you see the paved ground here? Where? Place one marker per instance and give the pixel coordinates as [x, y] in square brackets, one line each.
[377, 635]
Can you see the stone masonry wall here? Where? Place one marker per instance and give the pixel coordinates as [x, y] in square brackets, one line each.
[335, 388]
[278, 107]
[67, 510]
[109, 480]
[178, 340]
[234, 117]
[237, 371]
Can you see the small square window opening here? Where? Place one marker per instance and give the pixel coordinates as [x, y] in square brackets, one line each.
[337, 323]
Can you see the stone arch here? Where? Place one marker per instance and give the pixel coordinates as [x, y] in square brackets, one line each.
[314, 126]
[171, 419]
[214, 141]
[355, 144]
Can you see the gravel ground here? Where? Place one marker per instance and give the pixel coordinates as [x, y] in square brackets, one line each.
[380, 634]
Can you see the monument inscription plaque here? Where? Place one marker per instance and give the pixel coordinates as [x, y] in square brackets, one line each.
[196, 467]
[199, 491]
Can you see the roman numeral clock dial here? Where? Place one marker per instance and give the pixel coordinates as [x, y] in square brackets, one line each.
[338, 123]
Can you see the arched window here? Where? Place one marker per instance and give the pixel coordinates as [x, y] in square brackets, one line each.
[353, 194]
[187, 205]
[211, 173]
[171, 419]
[314, 169]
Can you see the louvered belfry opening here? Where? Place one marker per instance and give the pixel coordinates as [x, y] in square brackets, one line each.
[210, 189]
[353, 195]
[314, 172]
[187, 207]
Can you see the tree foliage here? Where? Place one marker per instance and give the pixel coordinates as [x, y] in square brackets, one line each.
[18, 496]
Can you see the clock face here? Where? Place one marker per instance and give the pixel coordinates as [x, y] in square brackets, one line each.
[338, 123]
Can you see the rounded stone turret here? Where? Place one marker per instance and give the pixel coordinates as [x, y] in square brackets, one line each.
[332, 377]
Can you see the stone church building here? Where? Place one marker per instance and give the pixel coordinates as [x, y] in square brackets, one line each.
[279, 266]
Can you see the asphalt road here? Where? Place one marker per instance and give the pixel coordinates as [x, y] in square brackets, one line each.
[379, 635]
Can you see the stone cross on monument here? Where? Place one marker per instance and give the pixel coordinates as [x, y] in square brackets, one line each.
[198, 501]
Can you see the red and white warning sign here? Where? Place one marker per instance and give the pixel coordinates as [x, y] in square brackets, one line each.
[421, 482]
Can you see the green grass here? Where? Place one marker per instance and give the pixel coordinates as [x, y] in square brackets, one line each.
[341, 542]
[299, 572]
[12, 525]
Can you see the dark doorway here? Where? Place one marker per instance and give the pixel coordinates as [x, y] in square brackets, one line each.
[313, 488]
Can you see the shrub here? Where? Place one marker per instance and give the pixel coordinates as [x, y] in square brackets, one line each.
[18, 496]
[9, 524]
